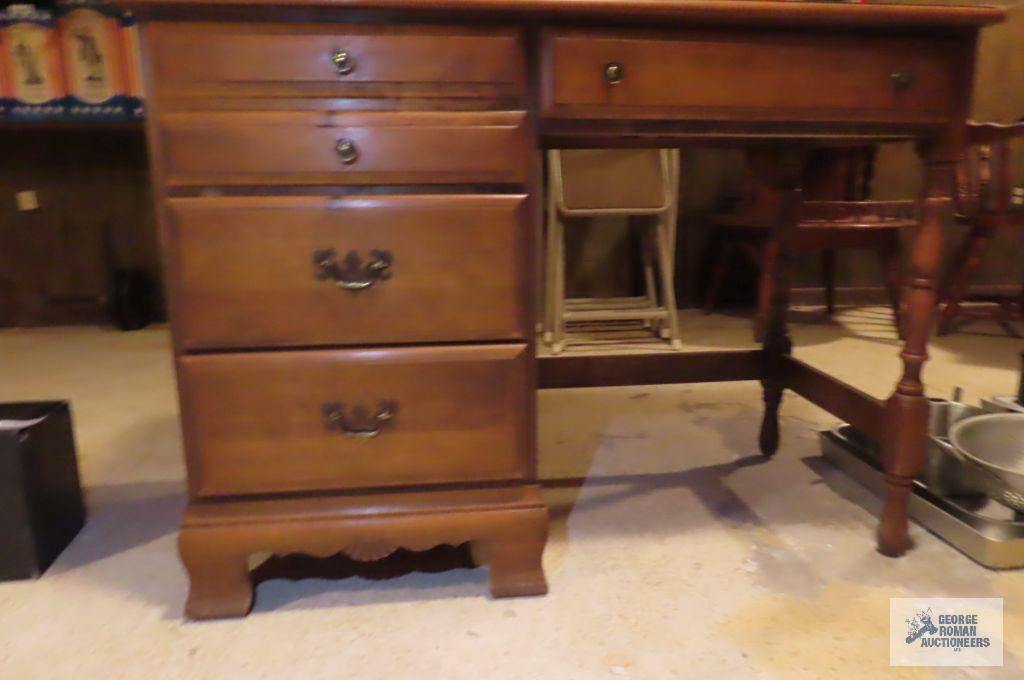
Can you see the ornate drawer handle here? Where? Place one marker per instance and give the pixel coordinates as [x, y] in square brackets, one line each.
[613, 72]
[346, 150]
[901, 80]
[351, 273]
[359, 424]
[343, 61]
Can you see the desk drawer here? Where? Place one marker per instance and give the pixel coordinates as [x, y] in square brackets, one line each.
[268, 59]
[788, 77]
[302, 421]
[253, 272]
[343, 148]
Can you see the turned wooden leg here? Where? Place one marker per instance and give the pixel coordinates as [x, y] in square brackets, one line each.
[721, 253]
[892, 269]
[516, 558]
[769, 266]
[907, 413]
[774, 295]
[647, 256]
[828, 276]
[966, 262]
[776, 344]
[219, 581]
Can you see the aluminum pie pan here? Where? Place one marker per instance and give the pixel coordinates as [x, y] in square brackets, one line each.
[994, 445]
[1002, 404]
[984, 531]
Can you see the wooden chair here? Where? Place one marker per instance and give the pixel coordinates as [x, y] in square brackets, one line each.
[627, 182]
[835, 215]
[988, 199]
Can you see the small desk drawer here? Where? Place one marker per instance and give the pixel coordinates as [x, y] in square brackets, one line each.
[713, 76]
[318, 420]
[331, 60]
[287, 271]
[343, 148]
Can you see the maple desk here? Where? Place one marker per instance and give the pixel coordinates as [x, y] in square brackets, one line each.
[349, 197]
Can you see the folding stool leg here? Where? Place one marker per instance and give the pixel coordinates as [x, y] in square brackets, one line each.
[647, 250]
[558, 295]
[550, 272]
[666, 231]
[666, 260]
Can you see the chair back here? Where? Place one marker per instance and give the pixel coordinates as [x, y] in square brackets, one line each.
[613, 181]
[835, 174]
[988, 181]
[843, 174]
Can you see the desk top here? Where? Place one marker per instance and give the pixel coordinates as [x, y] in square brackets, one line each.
[868, 13]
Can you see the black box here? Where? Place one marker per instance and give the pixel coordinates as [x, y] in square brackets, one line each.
[41, 508]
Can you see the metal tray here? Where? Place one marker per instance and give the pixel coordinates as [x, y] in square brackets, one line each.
[987, 532]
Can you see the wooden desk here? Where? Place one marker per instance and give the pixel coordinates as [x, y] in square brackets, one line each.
[349, 201]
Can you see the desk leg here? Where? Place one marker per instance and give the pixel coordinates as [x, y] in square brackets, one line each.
[784, 172]
[906, 426]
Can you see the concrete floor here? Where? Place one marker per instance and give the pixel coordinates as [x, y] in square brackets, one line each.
[672, 559]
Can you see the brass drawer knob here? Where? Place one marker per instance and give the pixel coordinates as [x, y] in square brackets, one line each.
[613, 73]
[352, 273]
[346, 150]
[344, 62]
[901, 80]
[358, 423]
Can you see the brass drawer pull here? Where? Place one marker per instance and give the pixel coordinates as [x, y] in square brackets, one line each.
[613, 72]
[343, 61]
[901, 80]
[351, 273]
[346, 150]
[359, 424]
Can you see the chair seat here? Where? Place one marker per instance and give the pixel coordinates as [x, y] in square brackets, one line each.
[1013, 219]
[824, 226]
[833, 215]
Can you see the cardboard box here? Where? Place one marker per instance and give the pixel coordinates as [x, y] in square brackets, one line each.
[5, 87]
[133, 64]
[31, 63]
[93, 58]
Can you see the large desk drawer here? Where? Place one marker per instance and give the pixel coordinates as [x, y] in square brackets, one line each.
[324, 59]
[765, 76]
[316, 420]
[299, 147]
[288, 271]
